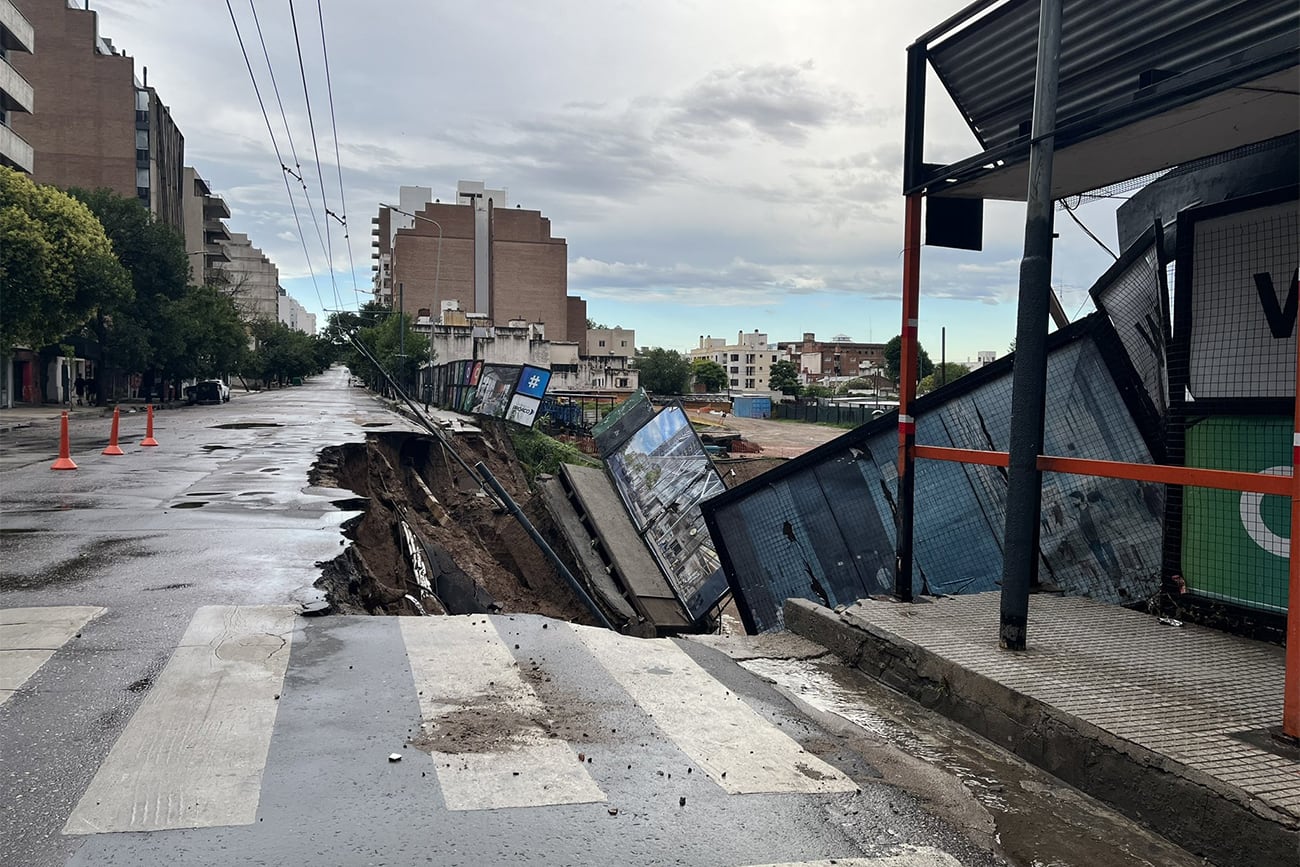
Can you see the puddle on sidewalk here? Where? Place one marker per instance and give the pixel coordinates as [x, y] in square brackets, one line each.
[1041, 821]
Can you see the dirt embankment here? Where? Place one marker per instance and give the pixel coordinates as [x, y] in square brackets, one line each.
[478, 557]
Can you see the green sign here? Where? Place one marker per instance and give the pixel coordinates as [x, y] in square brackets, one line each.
[1236, 545]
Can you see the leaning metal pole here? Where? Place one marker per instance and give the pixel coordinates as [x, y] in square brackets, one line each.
[1029, 376]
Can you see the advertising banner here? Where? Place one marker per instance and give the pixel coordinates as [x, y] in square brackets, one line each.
[495, 386]
[530, 388]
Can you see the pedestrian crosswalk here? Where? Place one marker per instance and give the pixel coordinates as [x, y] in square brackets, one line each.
[195, 751]
[30, 636]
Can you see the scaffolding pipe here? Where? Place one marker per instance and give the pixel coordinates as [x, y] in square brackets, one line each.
[1029, 376]
[518, 514]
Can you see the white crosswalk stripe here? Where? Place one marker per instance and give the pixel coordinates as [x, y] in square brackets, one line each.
[740, 750]
[470, 690]
[30, 636]
[193, 754]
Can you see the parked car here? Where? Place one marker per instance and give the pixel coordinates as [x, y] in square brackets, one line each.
[208, 391]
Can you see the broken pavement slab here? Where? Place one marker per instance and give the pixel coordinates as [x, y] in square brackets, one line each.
[1155, 721]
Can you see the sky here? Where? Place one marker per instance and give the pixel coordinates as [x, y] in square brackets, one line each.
[716, 166]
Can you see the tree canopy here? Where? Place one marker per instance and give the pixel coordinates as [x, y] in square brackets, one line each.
[942, 375]
[663, 371]
[710, 374]
[894, 357]
[785, 378]
[57, 264]
[376, 327]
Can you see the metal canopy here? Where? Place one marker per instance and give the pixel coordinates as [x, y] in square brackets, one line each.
[1143, 87]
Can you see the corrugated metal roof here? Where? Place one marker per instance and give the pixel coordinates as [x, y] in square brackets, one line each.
[1106, 47]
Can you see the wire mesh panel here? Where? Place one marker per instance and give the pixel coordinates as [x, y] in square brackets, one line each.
[1236, 544]
[822, 527]
[1131, 298]
[1243, 297]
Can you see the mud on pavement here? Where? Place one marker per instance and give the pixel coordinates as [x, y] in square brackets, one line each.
[479, 559]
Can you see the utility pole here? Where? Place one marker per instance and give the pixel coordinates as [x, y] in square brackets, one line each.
[401, 339]
[1029, 377]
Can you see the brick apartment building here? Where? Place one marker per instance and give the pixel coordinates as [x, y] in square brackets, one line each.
[837, 357]
[95, 124]
[489, 258]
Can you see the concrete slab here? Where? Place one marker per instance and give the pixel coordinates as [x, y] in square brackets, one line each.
[1168, 724]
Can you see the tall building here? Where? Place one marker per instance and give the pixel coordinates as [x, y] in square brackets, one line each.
[837, 357]
[294, 315]
[748, 361]
[16, 92]
[252, 280]
[489, 258]
[96, 124]
[205, 229]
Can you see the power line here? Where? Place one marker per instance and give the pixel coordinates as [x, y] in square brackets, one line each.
[320, 175]
[1086, 230]
[293, 149]
[338, 161]
[279, 158]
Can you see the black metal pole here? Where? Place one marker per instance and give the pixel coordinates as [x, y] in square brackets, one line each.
[401, 338]
[518, 514]
[1029, 376]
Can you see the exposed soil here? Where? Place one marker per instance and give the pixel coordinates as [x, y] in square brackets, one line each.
[478, 558]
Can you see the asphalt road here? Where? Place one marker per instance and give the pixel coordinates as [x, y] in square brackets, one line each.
[163, 703]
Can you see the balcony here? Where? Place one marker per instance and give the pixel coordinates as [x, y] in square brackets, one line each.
[14, 150]
[15, 92]
[215, 208]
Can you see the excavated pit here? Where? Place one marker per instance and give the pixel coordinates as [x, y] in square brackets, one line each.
[479, 559]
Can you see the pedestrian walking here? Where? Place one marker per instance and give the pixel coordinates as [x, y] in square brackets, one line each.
[92, 392]
[79, 386]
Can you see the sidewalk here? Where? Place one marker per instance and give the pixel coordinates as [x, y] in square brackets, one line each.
[25, 415]
[1169, 724]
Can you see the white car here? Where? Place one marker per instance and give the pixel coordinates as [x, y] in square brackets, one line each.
[208, 391]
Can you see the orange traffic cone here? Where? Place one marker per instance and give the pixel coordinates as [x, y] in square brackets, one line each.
[113, 448]
[65, 454]
[148, 430]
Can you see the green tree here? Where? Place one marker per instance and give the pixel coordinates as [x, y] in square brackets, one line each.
[57, 265]
[377, 328]
[785, 378]
[593, 325]
[710, 374]
[817, 391]
[894, 358]
[942, 375]
[212, 339]
[663, 371]
[139, 334]
[858, 384]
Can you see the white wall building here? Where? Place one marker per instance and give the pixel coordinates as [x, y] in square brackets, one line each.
[251, 278]
[748, 361]
[294, 315]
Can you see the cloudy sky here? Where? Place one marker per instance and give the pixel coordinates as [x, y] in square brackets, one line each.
[715, 166]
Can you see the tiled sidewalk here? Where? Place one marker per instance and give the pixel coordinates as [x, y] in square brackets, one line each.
[1180, 702]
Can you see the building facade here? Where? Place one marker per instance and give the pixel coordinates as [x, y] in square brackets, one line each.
[488, 258]
[17, 96]
[837, 357]
[251, 278]
[293, 314]
[96, 124]
[748, 361]
[205, 229]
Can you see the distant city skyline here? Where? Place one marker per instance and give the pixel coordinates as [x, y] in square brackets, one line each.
[721, 168]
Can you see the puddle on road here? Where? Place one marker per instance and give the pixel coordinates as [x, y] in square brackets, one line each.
[196, 504]
[180, 586]
[245, 425]
[377, 424]
[214, 448]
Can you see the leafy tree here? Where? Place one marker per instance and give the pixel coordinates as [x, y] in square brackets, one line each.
[212, 339]
[942, 375]
[858, 384]
[894, 358]
[593, 325]
[57, 266]
[817, 391]
[785, 378]
[282, 353]
[377, 327]
[138, 334]
[710, 374]
[663, 371]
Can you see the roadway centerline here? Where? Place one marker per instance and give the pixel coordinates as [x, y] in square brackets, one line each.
[193, 753]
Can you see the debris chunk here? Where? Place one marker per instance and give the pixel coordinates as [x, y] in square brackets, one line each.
[394, 757]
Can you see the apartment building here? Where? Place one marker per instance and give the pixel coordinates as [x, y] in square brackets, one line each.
[251, 278]
[205, 229]
[838, 357]
[17, 97]
[97, 124]
[293, 314]
[491, 259]
[748, 361]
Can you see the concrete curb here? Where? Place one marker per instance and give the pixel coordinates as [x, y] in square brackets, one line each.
[1201, 813]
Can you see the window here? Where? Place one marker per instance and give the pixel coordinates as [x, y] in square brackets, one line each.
[601, 343]
[735, 357]
[623, 343]
[749, 383]
[735, 382]
[773, 358]
[734, 369]
[622, 383]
